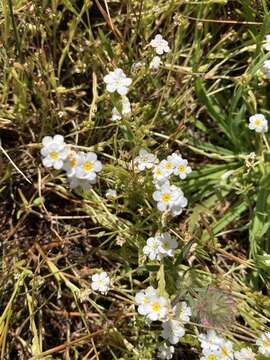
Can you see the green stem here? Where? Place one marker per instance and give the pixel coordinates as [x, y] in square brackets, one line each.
[16, 36]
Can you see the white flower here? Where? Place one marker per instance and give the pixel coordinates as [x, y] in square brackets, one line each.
[84, 184]
[154, 64]
[168, 166]
[211, 354]
[165, 351]
[170, 198]
[182, 312]
[117, 81]
[101, 282]
[126, 109]
[160, 175]
[266, 68]
[266, 44]
[88, 166]
[157, 308]
[152, 248]
[210, 341]
[143, 297]
[167, 244]
[181, 168]
[165, 197]
[116, 114]
[160, 45]
[71, 163]
[111, 194]
[258, 123]
[244, 354]
[54, 151]
[226, 350]
[180, 203]
[263, 342]
[267, 261]
[173, 330]
[145, 160]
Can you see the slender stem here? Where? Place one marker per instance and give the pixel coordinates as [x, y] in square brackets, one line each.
[266, 142]
[16, 35]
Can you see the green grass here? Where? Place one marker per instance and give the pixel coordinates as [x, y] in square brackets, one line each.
[54, 57]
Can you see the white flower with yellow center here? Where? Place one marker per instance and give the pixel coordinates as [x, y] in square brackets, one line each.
[88, 166]
[152, 248]
[144, 297]
[160, 175]
[181, 168]
[258, 123]
[54, 151]
[210, 341]
[263, 342]
[101, 282]
[155, 63]
[168, 166]
[165, 351]
[157, 308]
[117, 81]
[266, 44]
[172, 331]
[145, 160]
[170, 198]
[160, 45]
[226, 350]
[165, 197]
[211, 355]
[167, 244]
[244, 354]
[182, 312]
[71, 163]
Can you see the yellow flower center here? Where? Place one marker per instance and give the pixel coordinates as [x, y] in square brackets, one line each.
[73, 163]
[156, 307]
[166, 245]
[146, 300]
[166, 197]
[88, 166]
[168, 166]
[266, 343]
[158, 172]
[258, 122]
[54, 155]
[211, 357]
[224, 351]
[181, 168]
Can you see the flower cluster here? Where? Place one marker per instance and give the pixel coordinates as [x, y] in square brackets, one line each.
[81, 168]
[117, 81]
[215, 347]
[170, 198]
[160, 246]
[150, 304]
[161, 46]
[155, 307]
